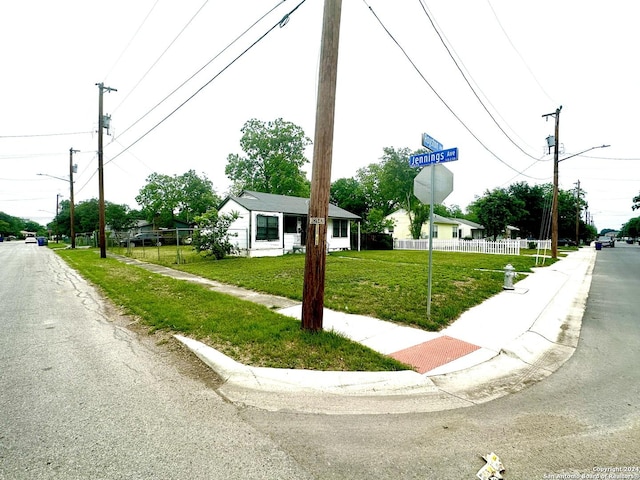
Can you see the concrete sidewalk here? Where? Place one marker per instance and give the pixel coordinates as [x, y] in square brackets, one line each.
[512, 340]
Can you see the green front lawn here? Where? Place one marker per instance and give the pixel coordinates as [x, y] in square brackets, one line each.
[390, 285]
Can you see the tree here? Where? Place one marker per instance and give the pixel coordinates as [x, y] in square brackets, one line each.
[631, 228]
[347, 193]
[636, 203]
[197, 196]
[165, 199]
[274, 159]
[536, 207]
[212, 235]
[496, 210]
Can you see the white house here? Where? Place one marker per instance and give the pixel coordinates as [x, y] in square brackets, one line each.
[469, 229]
[272, 225]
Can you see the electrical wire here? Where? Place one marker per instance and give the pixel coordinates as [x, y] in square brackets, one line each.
[44, 135]
[440, 97]
[281, 23]
[519, 55]
[160, 57]
[131, 40]
[464, 76]
[200, 69]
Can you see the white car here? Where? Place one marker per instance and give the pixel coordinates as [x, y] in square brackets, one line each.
[31, 240]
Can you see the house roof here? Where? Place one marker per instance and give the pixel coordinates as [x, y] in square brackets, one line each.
[440, 219]
[469, 223]
[268, 202]
[436, 218]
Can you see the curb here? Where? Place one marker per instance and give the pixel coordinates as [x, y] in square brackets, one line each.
[534, 355]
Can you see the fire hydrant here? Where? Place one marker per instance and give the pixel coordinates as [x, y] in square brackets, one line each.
[509, 275]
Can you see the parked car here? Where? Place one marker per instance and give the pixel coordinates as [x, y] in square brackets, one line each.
[141, 239]
[606, 241]
[566, 242]
[31, 240]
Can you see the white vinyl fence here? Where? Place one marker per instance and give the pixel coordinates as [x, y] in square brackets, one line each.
[500, 247]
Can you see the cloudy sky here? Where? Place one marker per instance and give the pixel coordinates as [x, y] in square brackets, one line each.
[474, 74]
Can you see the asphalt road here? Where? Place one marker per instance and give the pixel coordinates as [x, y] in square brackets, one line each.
[83, 397]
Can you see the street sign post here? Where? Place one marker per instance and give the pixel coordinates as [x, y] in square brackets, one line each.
[430, 158]
[432, 185]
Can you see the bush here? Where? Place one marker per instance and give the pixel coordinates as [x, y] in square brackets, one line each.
[212, 236]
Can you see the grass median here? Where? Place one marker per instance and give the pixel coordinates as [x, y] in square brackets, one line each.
[247, 332]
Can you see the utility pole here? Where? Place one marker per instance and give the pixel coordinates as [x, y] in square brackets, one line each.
[578, 213]
[102, 238]
[315, 260]
[554, 205]
[57, 213]
[71, 205]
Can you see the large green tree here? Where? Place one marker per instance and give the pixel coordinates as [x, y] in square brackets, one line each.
[10, 225]
[631, 228]
[348, 193]
[496, 210]
[119, 217]
[166, 198]
[636, 203]
[536, 209]
[273, 160]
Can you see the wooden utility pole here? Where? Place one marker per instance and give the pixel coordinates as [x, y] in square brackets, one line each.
[578, 213]
[315, 260]
[71, 204]
[554, 205]
[102, 238]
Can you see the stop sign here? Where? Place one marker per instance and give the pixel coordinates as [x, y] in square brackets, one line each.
[442, 184]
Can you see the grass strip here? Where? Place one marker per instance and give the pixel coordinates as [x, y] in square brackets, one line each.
[247, 332]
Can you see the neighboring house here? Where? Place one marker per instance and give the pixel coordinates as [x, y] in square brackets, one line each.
[444, 228]
[469, 229]
[272, 225]
[142, 226]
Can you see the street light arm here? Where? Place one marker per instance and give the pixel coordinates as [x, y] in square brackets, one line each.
[585, 151]
[58, 178]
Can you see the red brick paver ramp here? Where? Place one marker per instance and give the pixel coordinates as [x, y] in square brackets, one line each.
[429, 355]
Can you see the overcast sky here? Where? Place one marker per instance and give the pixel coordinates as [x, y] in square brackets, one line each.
[524, 59]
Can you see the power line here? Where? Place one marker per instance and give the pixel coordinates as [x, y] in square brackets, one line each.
[161, 55]
[44, 135]
[131, 40]
[469, 84]
[281, 23]
[200, 69]
[440, 97]
[519, 55]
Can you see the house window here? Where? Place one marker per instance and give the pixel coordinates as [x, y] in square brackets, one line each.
[267, 228]
[340, 227]
[454, 232]
[435, 231]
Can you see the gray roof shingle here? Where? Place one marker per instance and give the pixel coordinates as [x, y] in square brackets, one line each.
[268, 202]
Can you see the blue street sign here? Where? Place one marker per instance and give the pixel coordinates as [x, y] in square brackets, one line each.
[430, 158]
[431, 143]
